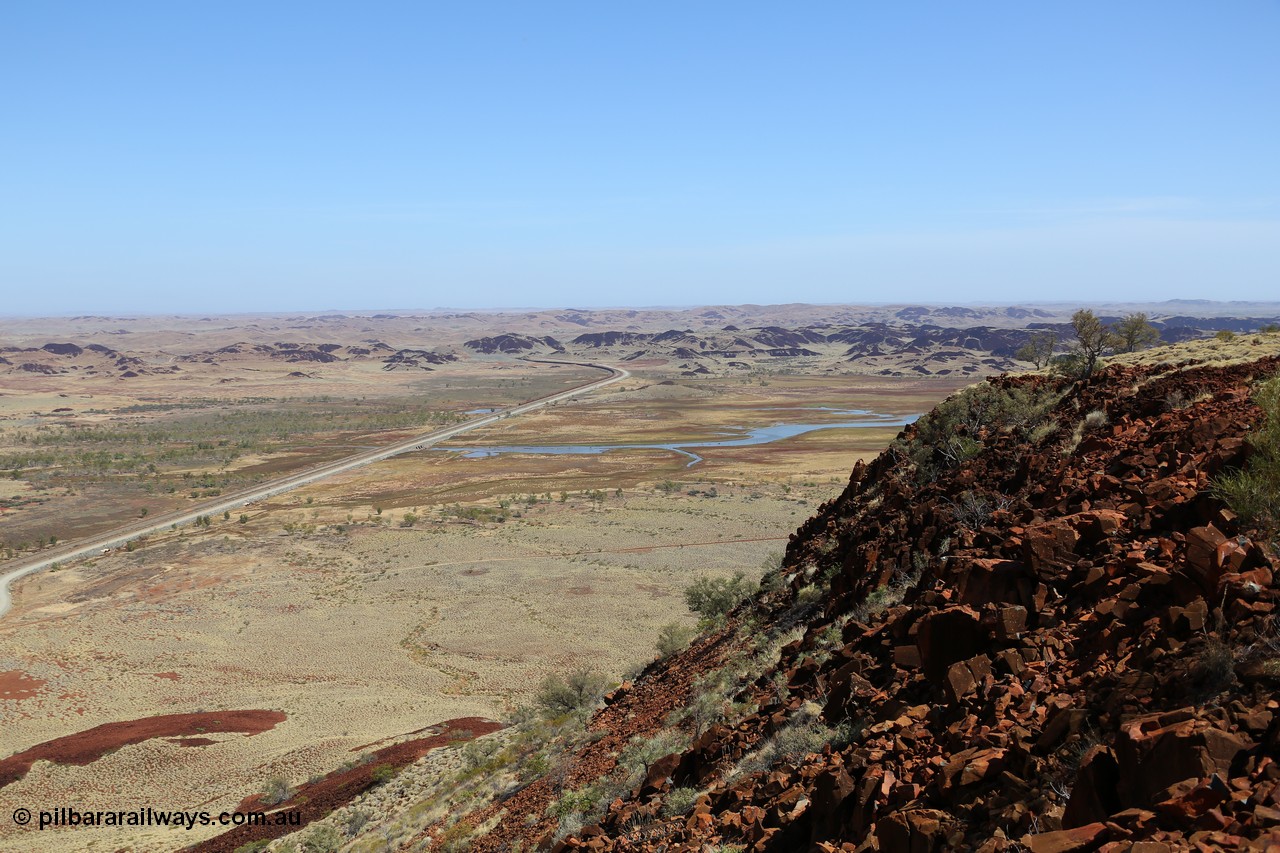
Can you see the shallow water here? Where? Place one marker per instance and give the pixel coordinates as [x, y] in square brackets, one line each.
[740, 438]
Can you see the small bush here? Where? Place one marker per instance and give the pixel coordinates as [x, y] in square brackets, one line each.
[1071, 442]
[1096, 419]
[356, 821]
[705, 709]
[321, 839]
[790, 743]
[254, 846]
[1213, 670]
[796, 741]
[673, 637]
[276, 791]
[582, 689]
[712, 598]
[456, 838]
[679, 801]
[478, 752]
[949, 435]
[1254, 491]
[971, 509]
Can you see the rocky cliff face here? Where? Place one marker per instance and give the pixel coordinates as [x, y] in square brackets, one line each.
[1028, 625]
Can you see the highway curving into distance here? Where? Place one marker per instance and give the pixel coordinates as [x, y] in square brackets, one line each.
[118, 537]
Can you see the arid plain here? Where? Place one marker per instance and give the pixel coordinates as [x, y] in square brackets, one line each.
[361, 609]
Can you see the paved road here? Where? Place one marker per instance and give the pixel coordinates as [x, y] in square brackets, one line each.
[117, 538]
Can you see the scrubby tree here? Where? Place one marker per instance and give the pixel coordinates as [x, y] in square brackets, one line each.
[1039, 348]
[1093, 338]
[1133, 333]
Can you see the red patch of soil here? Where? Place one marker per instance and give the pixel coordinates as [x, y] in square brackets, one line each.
[88, 746]
[191, 741]
[315, 800]
[172, 676]
[16, 685]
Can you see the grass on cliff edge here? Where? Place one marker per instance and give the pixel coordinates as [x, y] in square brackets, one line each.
[1223, 350]
[1254, 491]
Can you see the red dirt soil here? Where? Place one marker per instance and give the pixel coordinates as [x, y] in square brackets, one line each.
[317, 799]
[16, 685]
[88, 746]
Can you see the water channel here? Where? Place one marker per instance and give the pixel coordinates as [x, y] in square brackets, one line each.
[741, 438]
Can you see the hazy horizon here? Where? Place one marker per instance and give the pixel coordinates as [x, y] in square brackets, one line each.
[1098, 305]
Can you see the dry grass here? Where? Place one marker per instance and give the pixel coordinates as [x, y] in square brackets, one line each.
[1206, 351]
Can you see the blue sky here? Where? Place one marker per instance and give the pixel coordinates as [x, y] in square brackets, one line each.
[281, 156]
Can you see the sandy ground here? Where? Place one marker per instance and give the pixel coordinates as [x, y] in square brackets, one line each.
[355, 637]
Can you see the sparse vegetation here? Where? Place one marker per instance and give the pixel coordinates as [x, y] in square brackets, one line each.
[678, 801]
[949, 435]
[559, 695]
[712, 598]
[1254, 491]
[673, 637]
[276, 791]
[1095, 420]
[1212, 671]
[971, 509]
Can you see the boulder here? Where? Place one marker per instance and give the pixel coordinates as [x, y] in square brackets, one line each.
[1153, 755]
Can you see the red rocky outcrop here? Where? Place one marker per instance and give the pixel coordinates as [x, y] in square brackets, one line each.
[1091, 665]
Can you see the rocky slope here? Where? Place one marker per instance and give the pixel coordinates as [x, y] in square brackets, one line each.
[1026, 626]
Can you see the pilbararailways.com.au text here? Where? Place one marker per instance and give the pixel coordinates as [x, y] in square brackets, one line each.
[65, 817]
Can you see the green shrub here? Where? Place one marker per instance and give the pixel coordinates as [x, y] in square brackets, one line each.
[1254, 491]
[455, 839]
[712, 598]
[791, 743]
[559, 695]
[705, 708]
[321, 839]
[673, 637]
[276, 791]
[678, 801]
[948, 436]
[254, 846]
[641, 752]
[478, 752]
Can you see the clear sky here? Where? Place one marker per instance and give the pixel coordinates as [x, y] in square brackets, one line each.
[242, 156]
